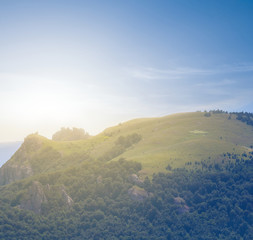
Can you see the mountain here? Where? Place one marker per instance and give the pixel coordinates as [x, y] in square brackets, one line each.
[182, 176]
[173, 140]
[7, 149]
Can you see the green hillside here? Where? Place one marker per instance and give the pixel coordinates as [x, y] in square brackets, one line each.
[179, 138]
[171, 140]
[158, 178]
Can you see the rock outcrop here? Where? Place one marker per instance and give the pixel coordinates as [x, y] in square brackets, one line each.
[138, 194]
[37, 194]
[181, 205]
[99, 179]
[35, 198]
[135, 179]
[18, 167]
[67, 199]
[10, 173]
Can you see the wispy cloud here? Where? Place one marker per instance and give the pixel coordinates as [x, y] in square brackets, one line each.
[222, 83]
[149, 73]
[176, 73]
[238, 68]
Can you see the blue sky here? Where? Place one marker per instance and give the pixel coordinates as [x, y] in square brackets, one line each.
[93, 64]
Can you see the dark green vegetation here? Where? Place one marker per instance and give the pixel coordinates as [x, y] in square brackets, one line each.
[92, 189]
[245, 117]
[213, 204]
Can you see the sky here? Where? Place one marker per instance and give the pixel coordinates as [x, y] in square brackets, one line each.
[94, 64]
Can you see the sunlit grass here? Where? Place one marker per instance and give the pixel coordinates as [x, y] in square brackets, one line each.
[174, 140]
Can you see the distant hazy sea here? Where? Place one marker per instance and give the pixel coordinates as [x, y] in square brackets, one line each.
[7, 150]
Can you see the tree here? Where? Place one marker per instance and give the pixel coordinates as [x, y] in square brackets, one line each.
[67, 134]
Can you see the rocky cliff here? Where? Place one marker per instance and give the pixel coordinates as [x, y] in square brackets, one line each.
[35, 198]
[10, 173]
[66, 198]
[138, 194]
[18, 167]
[37, 195]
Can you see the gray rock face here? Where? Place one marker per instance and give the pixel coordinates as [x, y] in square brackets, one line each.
[181, 205]
[38, 194]
[18, 166]
[11, 173]
[36, 197]
[99, 179]
[135, 179]
[138, 194]
[67, 199]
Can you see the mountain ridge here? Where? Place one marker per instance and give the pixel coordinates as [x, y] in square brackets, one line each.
[166, 178]
[171, 140]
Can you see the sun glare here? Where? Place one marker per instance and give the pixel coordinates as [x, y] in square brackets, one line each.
[43, 103]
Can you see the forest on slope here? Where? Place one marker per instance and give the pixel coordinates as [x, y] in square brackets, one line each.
[90, 189]
[216, 203]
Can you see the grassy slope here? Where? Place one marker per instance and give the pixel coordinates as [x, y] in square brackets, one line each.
[174, 139]
[179, 138]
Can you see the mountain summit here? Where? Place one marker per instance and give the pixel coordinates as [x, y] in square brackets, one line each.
[160, 177]
[173, 140]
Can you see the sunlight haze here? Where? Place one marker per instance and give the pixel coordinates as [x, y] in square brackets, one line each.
[94, 64]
